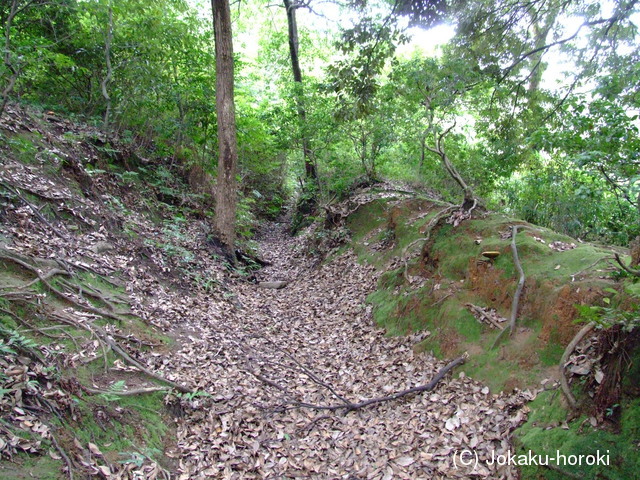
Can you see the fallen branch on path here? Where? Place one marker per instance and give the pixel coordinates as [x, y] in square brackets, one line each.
[350, 406]
[310, 374]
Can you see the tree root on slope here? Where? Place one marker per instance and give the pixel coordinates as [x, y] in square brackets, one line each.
[97, 332]
[564, 383]
[425, 240]
[629, 270]
[515, 303]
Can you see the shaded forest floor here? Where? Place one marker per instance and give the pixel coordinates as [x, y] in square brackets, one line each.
[110, 283]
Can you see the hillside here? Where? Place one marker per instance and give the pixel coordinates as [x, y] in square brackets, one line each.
[131, 349]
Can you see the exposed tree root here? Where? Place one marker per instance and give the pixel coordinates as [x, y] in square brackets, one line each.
[41, 217]
[425, 240]
[564, 383]
[516, 297]
[515, 303]
[64, 455]
[629, 270]
[103, 337]
[125, 393]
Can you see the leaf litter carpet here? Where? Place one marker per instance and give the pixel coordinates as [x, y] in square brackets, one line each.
[260, 353]
[265, 352]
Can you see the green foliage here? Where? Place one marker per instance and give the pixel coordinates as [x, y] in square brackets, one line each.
[620, 308]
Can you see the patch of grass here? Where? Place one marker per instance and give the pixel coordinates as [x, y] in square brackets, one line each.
[368, 217]
[23, 467]
[25, 146]
[552, 352]
[454, 314]
[454, 248]
[123, 425]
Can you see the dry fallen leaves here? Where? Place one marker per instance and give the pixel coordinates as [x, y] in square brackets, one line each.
[313, 334]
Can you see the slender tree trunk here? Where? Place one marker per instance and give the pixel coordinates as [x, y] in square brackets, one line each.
[13, 71]
[450, 168]
[423, 151]
[227, 141]
[107, 79]
[181, 112]
[309, 166]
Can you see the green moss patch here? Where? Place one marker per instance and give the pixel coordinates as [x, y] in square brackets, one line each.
[546, 433]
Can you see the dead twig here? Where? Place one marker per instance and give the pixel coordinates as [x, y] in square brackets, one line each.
[574, 275]
[314, 378]
[309, 426]
[487, 319]
[63, 454]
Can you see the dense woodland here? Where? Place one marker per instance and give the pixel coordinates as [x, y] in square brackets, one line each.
[255, 239]
[533, 104]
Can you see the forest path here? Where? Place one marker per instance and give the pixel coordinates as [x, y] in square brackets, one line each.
[298, 343]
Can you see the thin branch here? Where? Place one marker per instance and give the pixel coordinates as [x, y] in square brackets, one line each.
[593, 23]
[63, 454]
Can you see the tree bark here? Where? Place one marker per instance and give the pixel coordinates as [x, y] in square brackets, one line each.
[227, 141]
[14, 72]
[450, 168]
[309, 166]
[107, 79]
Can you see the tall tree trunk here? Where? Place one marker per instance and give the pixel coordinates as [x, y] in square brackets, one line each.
[227, 141]
[108, 38]
[13, 70]
[309, 166]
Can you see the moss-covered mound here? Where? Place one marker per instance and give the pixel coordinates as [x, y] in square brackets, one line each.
[437, 280]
